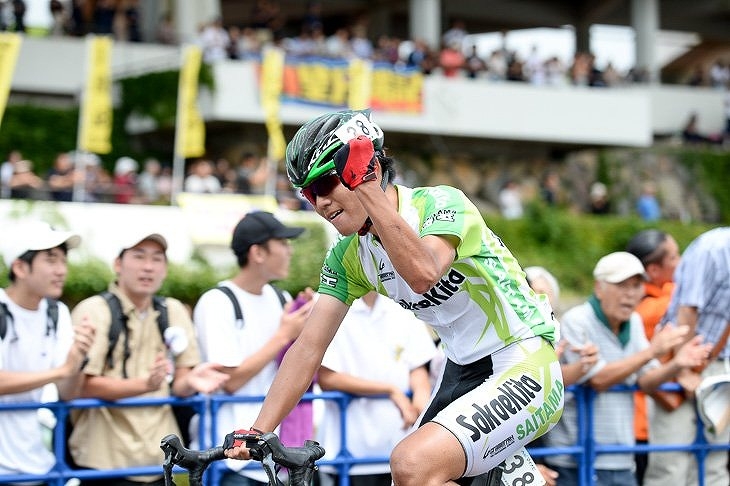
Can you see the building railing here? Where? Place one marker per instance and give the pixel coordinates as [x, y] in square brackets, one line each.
[585, 450]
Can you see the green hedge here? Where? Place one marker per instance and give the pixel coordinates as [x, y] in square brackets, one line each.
[566, 244]
[569, 245]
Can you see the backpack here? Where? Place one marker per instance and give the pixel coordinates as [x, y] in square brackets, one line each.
[118, 326]
[237, 306]
[51, 322]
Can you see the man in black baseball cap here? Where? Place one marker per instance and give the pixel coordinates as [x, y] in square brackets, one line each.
[246, 323]
[258, 227]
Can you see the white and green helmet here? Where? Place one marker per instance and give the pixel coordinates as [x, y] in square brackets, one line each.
[310, 153]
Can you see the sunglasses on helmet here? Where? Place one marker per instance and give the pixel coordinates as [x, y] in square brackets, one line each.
[320, 187]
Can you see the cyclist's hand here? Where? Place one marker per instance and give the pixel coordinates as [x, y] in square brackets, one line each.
[355, 162]
[234, 445]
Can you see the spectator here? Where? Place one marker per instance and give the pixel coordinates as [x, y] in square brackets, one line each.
[550, 188]
[226, 174]
[104, 13]
[609, 318]
[62, 177]
[137, 365]
[659, 254]
[510, 200]
[338, 44]
[474, 64]
[166, 33]
[379, 349]
[691, 132]
[38, 345]
[214, 41]
[251, 175]
[599, 200]
[60, 19]
[98, 185]
[452, 60]
[201, 179]
[25, 184]
[124, 184]
[362, 47]
[701, 303]
[647, 205]
[6, 172]
[455, 35]
[148, 182]
[248, 346]
[19, 15]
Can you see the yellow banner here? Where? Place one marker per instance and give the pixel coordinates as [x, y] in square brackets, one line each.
[190, 136]
[272, 83]
[361, 86]
[9, 49]
[95, 128]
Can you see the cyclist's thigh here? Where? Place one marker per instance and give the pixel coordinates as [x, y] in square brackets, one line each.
[522, 400]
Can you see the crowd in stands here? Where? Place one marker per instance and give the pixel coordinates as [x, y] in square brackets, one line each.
[456, 56]
[81, 177]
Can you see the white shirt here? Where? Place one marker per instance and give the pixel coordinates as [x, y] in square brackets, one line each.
[26, 347]
[384, 343]
[224, 341]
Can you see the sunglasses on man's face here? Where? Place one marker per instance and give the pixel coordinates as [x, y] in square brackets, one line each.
[320, 187]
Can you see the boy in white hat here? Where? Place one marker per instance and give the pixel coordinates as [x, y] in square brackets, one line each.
[38, 345]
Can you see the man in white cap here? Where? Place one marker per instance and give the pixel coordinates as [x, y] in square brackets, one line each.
[138, 365]
[609, 319]
[38, 345]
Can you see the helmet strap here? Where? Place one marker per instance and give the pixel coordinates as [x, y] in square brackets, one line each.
[369, 222]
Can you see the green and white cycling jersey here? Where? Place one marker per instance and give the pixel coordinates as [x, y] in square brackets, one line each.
[481, 304]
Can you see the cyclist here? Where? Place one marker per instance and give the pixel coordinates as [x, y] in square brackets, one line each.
[430, 250]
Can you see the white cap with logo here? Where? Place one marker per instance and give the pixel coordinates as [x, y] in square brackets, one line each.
[617, 267]
[34, 236]
[135, 237]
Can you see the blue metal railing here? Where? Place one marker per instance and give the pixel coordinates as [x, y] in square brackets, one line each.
[585, 450]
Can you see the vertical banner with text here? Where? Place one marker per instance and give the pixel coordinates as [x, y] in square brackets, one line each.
[9, 49]
[189, 123]
[190, 127]
[95, 122]
[272, 83]
[360, 73]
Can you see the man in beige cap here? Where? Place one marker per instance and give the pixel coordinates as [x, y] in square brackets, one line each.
[138, 365]
[609, 319]
[38, 345]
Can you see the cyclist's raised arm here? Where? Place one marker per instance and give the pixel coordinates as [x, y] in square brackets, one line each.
[299, 365]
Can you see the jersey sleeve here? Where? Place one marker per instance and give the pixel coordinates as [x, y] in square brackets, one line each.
[446, 211]
[342, 275]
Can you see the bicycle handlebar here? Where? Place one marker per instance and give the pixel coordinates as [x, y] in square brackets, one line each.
[265, 448]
